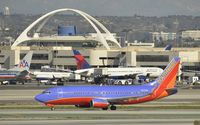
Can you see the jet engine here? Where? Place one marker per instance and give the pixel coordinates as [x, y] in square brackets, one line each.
[99, 103]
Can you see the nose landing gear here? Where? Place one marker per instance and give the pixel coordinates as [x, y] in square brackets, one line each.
[51, 106]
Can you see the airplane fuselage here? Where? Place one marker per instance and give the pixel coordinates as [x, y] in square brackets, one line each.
[105, 96]
[51, 75]
[152, 71]
[6, 75]
[85, 95]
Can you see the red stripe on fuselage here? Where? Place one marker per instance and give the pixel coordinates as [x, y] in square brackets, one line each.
[7, 76]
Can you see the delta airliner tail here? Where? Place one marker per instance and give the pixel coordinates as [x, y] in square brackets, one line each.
[25, 63]
[80, 60]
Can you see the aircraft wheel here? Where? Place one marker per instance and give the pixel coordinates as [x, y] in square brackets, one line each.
[52, 108]
[112, 107]
[105, 108]
[119, 83]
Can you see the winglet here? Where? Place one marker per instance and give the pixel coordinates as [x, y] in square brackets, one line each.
[168, 47]
[80, 60]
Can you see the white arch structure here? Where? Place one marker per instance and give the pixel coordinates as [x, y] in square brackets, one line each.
[43, 19]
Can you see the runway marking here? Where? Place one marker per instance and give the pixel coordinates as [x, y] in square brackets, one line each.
[104, 122]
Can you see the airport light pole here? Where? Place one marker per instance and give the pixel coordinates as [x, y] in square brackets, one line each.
[126, 31]
[126, 43]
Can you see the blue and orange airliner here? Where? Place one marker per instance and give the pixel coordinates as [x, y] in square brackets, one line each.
[109, 96]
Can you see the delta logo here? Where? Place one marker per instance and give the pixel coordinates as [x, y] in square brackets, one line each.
[23, 64]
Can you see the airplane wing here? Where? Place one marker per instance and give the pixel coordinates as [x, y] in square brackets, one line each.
[56, 70]
[81, 71]
[67, 70]
[23, 73]
[84, 72]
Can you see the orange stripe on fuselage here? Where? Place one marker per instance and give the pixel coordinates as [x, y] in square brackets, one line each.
[71, 101]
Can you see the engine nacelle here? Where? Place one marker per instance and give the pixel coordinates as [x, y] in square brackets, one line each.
[99, 103]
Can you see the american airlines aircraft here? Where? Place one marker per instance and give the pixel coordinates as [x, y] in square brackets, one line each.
[110, 96]
[19, 73]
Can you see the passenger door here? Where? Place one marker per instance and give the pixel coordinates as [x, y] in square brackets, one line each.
[60, 92]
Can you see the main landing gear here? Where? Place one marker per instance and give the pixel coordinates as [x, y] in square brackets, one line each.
[52, 108]
[105, 108]
[112, 107]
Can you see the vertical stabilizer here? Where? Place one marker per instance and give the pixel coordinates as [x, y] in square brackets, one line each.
[25, 63]
[80, 60]
[167, 79]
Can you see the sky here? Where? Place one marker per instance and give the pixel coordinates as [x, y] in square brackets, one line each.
[107, 7]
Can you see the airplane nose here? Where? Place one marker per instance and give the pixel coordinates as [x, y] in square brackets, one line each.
[39, 98]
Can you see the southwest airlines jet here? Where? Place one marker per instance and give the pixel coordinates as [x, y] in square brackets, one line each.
[110, 96]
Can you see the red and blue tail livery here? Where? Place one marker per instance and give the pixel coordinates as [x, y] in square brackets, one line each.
[80, 60]
[109, 96]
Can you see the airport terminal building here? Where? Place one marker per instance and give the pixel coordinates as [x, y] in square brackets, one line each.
[101, 49]
[128, 56]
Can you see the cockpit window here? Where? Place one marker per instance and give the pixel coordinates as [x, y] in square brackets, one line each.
[46, 92]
